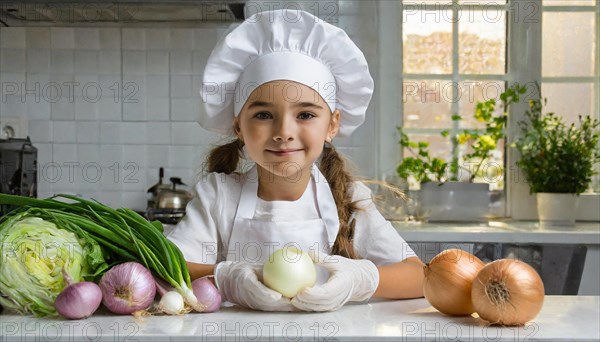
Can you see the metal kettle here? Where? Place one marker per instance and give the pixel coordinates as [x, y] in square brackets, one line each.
[173, 198]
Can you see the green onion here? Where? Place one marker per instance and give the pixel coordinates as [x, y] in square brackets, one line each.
[125, 234]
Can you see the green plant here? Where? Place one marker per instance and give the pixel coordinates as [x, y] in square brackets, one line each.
[556, 157]
[483, 142]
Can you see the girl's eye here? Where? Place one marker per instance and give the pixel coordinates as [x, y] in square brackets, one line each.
[262, 115]
[306, 116]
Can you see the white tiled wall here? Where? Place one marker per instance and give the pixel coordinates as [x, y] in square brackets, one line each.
[106, 107]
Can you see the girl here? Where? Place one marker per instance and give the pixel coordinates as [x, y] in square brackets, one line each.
[285, 83]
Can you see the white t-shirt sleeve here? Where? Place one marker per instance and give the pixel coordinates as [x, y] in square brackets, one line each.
[196, 234]
[375, 238]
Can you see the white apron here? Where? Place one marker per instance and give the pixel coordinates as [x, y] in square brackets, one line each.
[253, 240]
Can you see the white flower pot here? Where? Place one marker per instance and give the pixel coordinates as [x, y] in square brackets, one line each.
[556, 209]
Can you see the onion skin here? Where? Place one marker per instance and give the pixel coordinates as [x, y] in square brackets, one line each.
[127, 288]
[448, 279]
[289, 270]
[508, 292]
[207, 294]
[79, 300]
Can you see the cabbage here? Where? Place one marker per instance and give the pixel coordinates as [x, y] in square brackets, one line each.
[33, 255]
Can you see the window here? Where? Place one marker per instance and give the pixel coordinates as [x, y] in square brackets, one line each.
[455, 53]
[570, 80]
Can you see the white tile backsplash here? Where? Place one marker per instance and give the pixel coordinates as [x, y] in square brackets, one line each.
[87, 38]
[134, 133]
[133, 39]
[158, 133]
[157, 86]
[13, 106]
[184, 109]
[89, 154]
[63, 109]
[40, 131]
[182, 156]
[157, 156]
[134, 62]
[109, 38]
[109, 109]
[111, 155]
[38, 60]
[157, 39]
[134, 109]
[185, 133]
[37, 37]
[180, 62]
[38, 110]
[64, 131]
[157, 62]
[111, 133]
[109, 62]
[64, 154]
[12, 38]
[12, 60]
[62, 37]
[62, 61]
[182, 39]
[181, 86]
[88, 132]
[85, 109]
[157, 109]
[86, 61]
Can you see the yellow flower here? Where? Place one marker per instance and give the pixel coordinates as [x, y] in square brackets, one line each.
[463, 138]
[486, 141]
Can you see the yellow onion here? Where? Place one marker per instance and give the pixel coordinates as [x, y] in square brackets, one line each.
[448, 279]
[508, 292]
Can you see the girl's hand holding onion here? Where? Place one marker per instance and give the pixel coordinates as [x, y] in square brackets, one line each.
[350, 280]
[241, 283]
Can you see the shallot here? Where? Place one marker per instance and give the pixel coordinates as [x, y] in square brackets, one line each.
[78, 300]
[207, 294]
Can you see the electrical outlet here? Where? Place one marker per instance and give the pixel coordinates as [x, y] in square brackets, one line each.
[13, 127]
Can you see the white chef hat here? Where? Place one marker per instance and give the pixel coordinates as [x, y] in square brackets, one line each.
[285, 45]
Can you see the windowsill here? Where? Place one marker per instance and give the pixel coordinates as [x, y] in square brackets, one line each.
[519, 232]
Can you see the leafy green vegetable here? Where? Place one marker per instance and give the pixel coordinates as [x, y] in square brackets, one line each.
[125, 235]
[34, 253]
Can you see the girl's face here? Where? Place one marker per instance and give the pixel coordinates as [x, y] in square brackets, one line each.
[284, 126]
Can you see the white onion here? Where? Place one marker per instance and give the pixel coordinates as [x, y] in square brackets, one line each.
[172, 303]
[288, 271]
[127, 288]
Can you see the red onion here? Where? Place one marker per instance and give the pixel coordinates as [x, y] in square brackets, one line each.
[79, 300]
[207, 294]
[127, 288]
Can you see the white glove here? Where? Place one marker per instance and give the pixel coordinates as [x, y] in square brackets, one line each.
[241, 283]
[350, 280]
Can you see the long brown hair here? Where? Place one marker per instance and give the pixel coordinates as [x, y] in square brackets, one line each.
[225, 159]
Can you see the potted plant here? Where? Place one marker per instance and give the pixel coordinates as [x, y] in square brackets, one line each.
[557, 160]
[448, 190]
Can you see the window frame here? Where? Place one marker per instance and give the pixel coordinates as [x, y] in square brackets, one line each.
[524, 61]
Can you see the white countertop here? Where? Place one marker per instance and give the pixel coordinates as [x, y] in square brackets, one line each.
[563, 318]
[587, 233]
